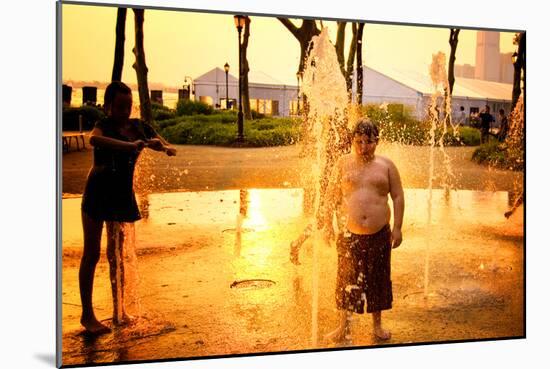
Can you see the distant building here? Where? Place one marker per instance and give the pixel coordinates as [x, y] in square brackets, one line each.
[488, 56]
[491, 64]
[267, 95]
[506, 68]
[465, 71]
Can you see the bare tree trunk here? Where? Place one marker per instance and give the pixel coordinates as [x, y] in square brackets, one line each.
[246, 94]
[141, 68]
[119, 44]
[351, 59]
[360, 63]
[453, 41]
[339, 46]
[519, 67]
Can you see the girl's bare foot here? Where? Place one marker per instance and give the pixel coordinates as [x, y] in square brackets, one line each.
[381, 333]
[126, 319]
[94, 327]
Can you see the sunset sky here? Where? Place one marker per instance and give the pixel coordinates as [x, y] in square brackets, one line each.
[179, 44]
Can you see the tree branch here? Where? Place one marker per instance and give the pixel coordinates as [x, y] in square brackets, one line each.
[290, 26]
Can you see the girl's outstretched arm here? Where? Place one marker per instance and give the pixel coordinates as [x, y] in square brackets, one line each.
[98, 139]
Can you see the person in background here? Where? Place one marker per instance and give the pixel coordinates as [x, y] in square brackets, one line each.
[503, 131]
[486, 120]
[461, 119]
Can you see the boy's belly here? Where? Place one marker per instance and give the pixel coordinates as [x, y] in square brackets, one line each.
[366, 213]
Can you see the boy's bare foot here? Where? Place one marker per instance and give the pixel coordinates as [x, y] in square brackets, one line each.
[337, 335]
[94, 327]
[381, 333]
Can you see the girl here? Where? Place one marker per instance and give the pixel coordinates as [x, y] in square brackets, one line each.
[109, 196]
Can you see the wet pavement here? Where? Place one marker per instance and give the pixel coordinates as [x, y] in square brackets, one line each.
[209, 289]
[207, 168]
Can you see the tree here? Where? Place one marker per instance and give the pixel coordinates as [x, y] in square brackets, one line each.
[119, 44]
[346, 67]
[519, 67]
[245, 69]
[360, 63]
[304, 34]
[453, 41]
[141, 68]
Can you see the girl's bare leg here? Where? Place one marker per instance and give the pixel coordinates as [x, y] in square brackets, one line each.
[92, 245]
[379, 332]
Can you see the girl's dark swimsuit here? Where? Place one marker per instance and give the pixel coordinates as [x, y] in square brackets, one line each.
[109, 193]
[364, 268]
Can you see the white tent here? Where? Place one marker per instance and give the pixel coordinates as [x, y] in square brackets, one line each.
[267, 95]
[415, 89]
[412, 89]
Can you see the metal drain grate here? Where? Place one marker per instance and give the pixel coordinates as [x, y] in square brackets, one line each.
[253, 283]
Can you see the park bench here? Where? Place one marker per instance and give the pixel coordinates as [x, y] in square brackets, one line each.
[68, 138]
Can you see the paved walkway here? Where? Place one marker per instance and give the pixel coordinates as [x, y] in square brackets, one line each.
[198, 168]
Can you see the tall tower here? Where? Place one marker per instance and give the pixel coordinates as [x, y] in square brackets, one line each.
[488, 56]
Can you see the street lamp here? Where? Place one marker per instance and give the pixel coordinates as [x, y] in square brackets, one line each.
[226, 68]
[240, 21]
[189, 82]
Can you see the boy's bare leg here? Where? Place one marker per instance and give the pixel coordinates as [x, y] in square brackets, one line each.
[92, 241]
[343, 331]
[379, 332]
[297, 244]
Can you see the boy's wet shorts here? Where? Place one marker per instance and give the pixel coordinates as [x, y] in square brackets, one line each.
[364, 267]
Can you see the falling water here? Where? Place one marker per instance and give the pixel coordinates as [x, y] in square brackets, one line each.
[325, 89]
[439, 113]
[515, 139]
[127, 301]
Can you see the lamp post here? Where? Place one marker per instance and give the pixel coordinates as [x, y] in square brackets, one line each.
[189, 82]
[226, 68]
[239, 23]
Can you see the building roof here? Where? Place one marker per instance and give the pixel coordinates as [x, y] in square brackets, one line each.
[254, 77]
[420, 82]
[463, 87]
[216, 75]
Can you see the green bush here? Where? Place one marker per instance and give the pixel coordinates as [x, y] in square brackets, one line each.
[397, 124]
[258, 133]
[469, 136]
[161, 112]
[256, 115]
[188, 107]
[491, 153]
[90, 115]
[496, 154]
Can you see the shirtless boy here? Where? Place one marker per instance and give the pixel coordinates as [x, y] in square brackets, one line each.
[360, 185]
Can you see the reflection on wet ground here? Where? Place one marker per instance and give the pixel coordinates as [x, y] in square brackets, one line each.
[215, 276]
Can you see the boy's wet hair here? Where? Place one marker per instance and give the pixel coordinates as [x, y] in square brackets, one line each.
[113, 89]
[365, 127]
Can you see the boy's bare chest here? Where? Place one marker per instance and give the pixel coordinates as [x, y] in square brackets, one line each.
[373, 176]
